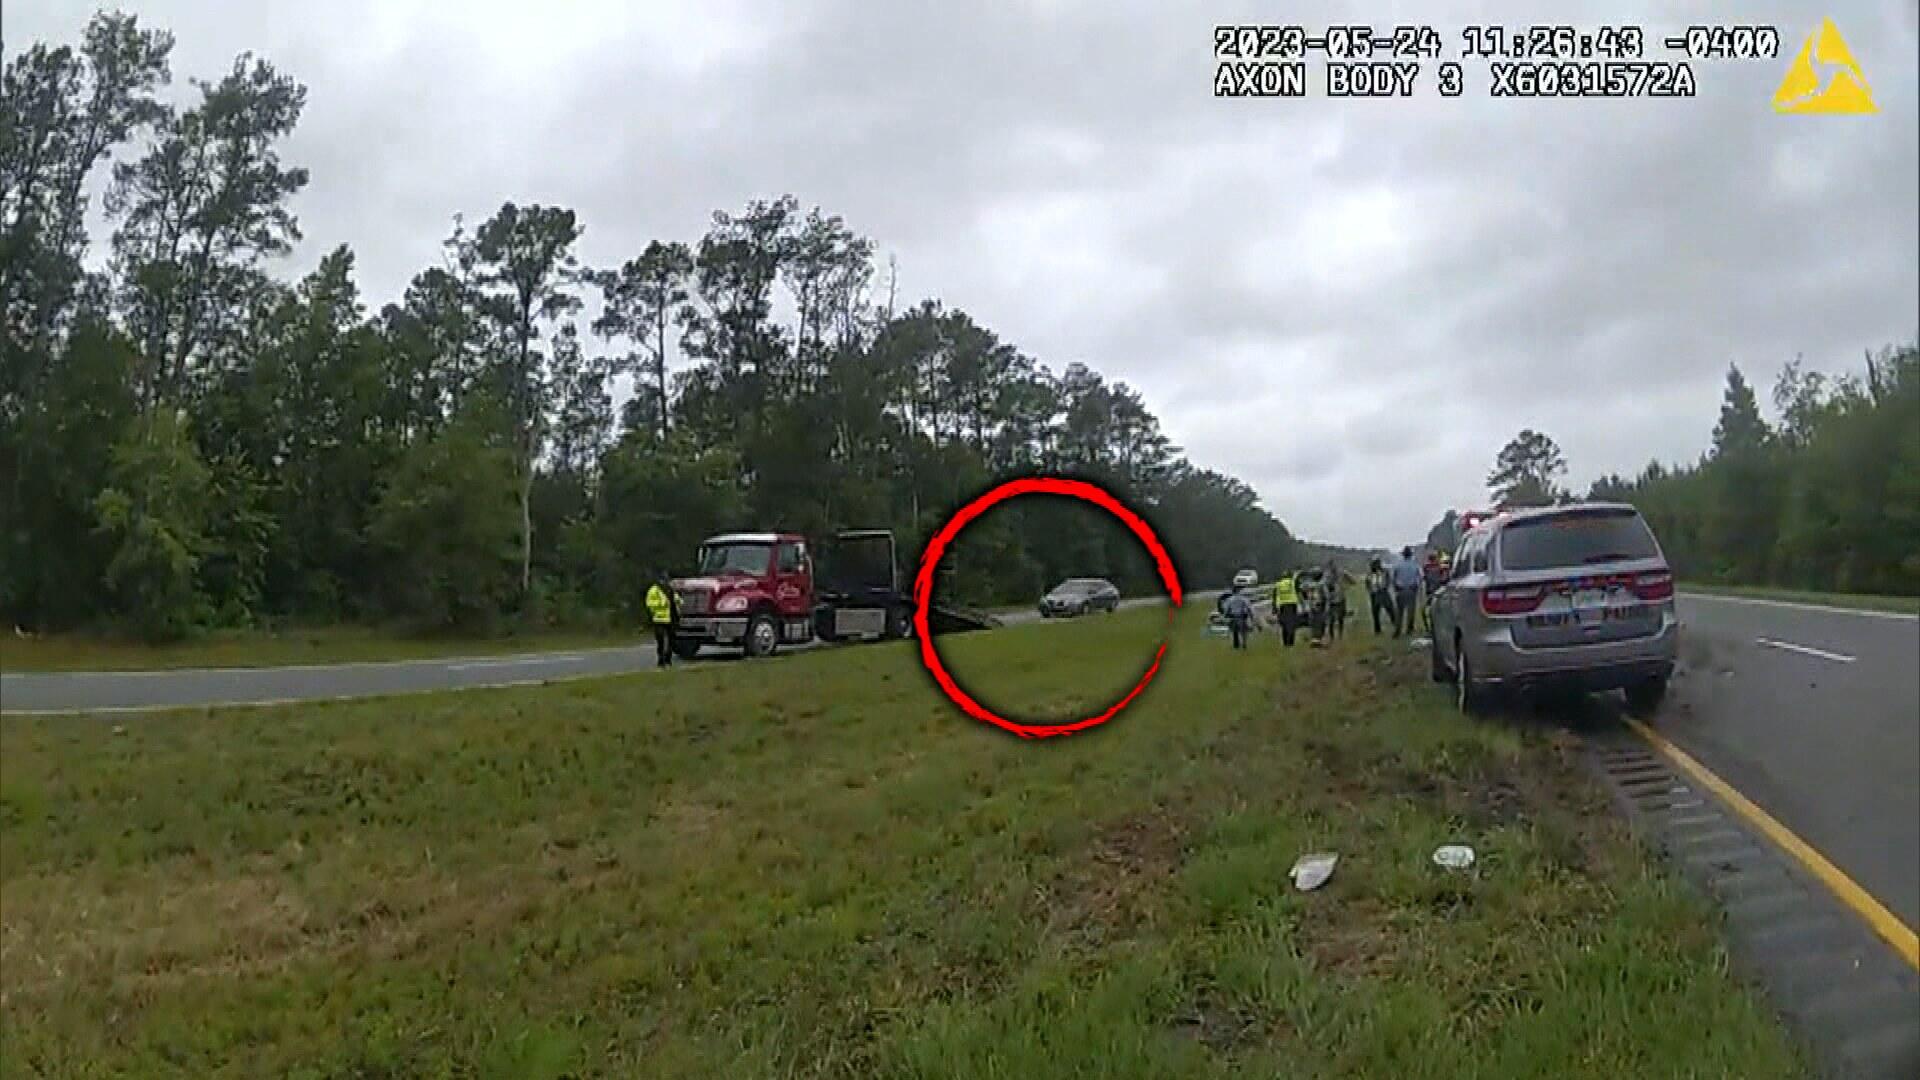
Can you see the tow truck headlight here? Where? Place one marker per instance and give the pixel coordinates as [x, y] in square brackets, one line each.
[731, 604]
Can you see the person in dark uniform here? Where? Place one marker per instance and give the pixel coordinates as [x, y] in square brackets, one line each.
[1313, 602]
[1337, 582]
[1405, 578]
[1379, 593]
[1239, 613]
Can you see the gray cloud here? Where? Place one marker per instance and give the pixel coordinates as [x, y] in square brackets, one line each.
[1349, 304]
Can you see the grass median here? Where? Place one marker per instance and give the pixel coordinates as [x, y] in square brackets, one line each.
[266, 648]
[811, 866]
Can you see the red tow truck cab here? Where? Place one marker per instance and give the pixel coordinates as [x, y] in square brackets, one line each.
[753, 590]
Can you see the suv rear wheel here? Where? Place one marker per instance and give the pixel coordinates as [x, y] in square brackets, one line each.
[1644, 698]
[1469, 697]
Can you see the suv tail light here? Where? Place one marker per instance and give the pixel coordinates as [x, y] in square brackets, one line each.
[1654, 585]
[1512, 600]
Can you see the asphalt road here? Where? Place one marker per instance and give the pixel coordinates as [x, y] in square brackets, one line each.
[1814, 714]
[134, 691]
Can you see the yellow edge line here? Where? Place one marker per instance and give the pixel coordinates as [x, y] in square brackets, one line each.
[1884, 922]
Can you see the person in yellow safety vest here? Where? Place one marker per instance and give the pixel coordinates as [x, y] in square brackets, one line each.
[662, 610]
[1286, 607]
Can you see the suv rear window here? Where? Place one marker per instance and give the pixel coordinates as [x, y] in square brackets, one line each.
[1576, 539]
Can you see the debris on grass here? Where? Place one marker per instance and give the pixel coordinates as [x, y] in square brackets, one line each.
[1419, 642]
[1453, 856]
[1312, 871]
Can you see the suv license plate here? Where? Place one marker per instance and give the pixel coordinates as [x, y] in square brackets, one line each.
[1589, 606]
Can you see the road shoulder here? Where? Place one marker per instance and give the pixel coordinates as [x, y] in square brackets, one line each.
[1842, 989]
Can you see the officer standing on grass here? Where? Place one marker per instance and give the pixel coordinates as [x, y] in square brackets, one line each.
[1406, 591]
[1239, 614]
[1379, 593]
[1313, 598]
[1337, 582]
[663, 611]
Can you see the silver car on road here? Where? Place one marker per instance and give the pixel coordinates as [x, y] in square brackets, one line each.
[1573, 597]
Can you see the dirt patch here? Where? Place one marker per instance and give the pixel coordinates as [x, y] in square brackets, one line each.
[1354, 769]
[1354, 937]
[687, 819]
[180, 927]
[250, 921]
[1140, 845]
[1488, 792]
[1217, 1025]
[1113, 890]
[1540, 785]
[1396, 665]
[1486, 799]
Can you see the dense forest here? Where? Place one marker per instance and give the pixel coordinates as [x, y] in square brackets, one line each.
[187, 441]
[1824, 497]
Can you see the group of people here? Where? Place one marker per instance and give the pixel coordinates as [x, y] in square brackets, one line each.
[1315, 598]
[1311, 597]
[1396, 591]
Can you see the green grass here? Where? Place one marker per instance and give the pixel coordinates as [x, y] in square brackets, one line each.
[1909, 605]
[259, 648]
[811, 867]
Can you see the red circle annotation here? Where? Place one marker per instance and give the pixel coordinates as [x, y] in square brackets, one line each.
[937, 547]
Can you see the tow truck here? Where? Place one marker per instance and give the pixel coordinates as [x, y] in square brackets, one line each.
[758, 591]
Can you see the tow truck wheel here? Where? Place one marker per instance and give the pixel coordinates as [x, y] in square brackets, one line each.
[900, 624]
[763, 635]
[685, 649]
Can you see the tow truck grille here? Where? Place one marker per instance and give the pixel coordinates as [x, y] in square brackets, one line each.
[693, 603]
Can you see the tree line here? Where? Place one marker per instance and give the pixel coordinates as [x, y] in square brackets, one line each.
[1824, 497]
[189, 442]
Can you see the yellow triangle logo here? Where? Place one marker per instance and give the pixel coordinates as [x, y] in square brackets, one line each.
[1845, 90]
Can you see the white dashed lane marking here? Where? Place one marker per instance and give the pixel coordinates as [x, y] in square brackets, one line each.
[1807, 650]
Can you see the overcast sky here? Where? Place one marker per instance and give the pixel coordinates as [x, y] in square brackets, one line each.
[1349, 304]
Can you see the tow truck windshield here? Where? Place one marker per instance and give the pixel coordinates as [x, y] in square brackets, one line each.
[719, 559]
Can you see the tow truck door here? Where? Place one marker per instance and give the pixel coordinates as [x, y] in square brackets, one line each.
[793, 589]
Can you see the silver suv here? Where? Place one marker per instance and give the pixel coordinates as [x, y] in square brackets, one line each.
[1572, 597]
